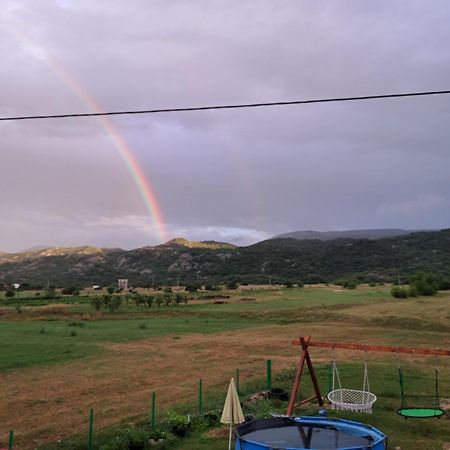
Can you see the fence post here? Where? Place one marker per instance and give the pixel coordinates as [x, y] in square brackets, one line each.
[237, 382]
[11, 440]
[153, 411]
[200, 397]
[269, 374]
[91, 429]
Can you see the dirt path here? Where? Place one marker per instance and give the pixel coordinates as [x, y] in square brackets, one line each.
[46, 404]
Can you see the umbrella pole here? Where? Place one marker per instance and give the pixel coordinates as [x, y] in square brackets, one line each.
[231, 427]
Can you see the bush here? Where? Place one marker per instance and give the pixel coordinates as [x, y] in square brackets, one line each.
[444, 285]
[232, 285]
[350, 284]
[412, 291]
[50, 294]
[192, 287]
[10, 293]
[399, 292]
[178, 423]
[75, 291]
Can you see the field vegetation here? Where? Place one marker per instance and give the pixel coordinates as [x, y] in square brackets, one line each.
[61, 356]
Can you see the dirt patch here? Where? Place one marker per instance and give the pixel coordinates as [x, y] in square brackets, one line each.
[222, 432]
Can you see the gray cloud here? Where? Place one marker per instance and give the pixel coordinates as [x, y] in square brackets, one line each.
[232, 175]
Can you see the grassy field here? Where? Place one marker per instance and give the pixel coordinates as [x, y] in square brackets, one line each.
[60, 357]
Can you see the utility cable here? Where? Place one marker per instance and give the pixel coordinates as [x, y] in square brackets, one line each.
[235, 106]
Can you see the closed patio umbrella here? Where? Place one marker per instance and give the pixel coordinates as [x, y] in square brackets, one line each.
[232, 411]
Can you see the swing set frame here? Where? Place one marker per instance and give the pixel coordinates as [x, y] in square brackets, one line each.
[305, 342]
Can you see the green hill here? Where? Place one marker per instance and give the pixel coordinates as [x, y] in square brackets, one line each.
[282, 259]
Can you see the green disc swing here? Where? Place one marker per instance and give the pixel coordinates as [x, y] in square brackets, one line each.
[418, 412]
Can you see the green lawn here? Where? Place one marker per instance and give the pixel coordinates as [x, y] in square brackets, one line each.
[47, 342]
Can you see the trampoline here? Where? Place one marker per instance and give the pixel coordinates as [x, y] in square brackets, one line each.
[315, 433]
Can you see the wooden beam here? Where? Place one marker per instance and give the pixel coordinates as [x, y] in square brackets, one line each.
[377, 348]
[298, 377]
[312, 372]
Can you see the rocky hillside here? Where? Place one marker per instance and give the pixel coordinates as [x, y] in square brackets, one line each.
[281, 259]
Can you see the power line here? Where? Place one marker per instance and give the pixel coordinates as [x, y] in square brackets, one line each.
[235, 106]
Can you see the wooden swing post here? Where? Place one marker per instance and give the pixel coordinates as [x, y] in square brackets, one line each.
[305, 342]
[304, 356]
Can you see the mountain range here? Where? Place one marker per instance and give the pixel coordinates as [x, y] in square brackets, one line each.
[281, 259]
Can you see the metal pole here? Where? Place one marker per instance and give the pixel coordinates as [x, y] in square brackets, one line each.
[269, 374]
[91, 429]
[237, 381]
[153, 411]
[11, 440]
[200, 397]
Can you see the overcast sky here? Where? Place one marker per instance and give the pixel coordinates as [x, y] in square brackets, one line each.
[238, 175]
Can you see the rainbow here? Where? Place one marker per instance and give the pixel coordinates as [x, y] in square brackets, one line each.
[146, 191]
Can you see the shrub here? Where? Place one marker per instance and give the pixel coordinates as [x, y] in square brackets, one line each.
[72, 290]
[444, 285]
[142, 326]
[73, 333]
[350, 284]
[178, 423]
[232, 285]
[399, 292]
[10, 293]
[192, 287]
[50, 294]
[412, 291]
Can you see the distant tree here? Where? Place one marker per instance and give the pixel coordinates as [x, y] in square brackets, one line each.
[50, 294]
[425, 284]
[110, 289]
[138, 299]
[167, 299]
[107, 299]
[10, 293]
[72, 290]
[167, 289]
[149, 299]
[232, 285]
[97, 302]
[444, 285]
[192, 287]
[114, 303]
[350, 284]
[289, 284]
[179, 298]
[159, 300]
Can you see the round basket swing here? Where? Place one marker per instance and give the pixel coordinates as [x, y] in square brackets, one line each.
[351, 399]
